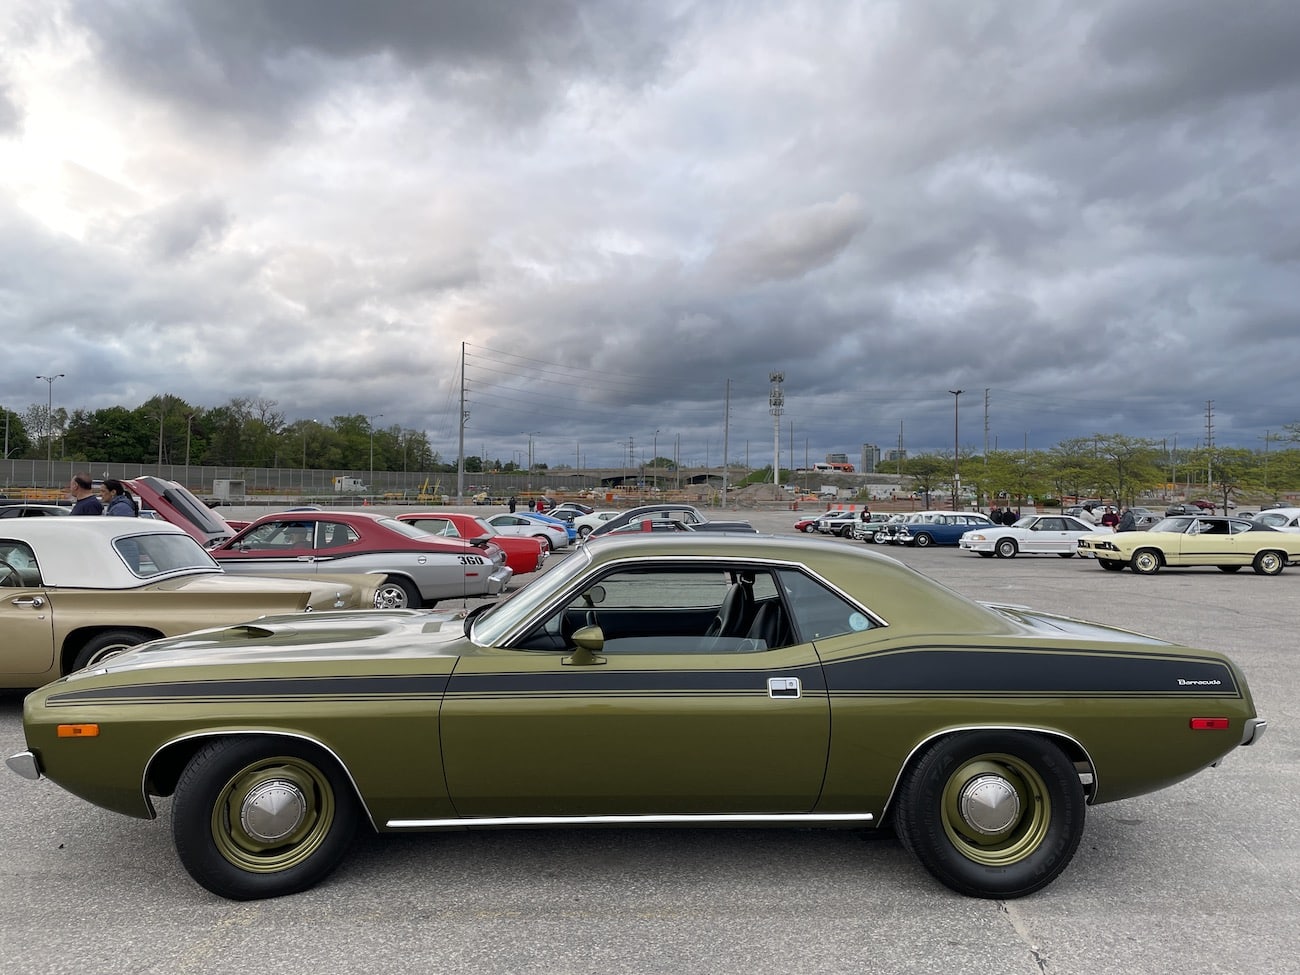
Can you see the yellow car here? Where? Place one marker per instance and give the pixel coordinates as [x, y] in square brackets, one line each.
[1226, 543]
[74, 591]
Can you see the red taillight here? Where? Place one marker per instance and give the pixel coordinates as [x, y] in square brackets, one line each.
[1209, 724]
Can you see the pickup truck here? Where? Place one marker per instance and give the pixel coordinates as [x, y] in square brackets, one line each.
[683, 516]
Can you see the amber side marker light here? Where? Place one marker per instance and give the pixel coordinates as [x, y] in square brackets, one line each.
[78, 731]
[1209, 724]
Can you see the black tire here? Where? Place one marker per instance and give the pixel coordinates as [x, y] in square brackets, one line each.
[810, 528]
[550, 546]
[1229, 568]
[992, 813]
[846, 531]
[397, 593]
[225, 852]
[1110, 565]
[107, 644]
[985, 555]
[1007, 548]
[922, 540]
[1146, 561]
[1269, 563]
[1066, 555]
[584, 531]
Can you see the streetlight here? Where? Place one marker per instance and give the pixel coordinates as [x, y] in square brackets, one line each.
[189, 429]
[956, 453]
[372, 416]
[49, 427]
[654, 459]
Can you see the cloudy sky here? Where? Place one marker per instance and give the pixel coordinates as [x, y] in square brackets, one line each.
[628, 214]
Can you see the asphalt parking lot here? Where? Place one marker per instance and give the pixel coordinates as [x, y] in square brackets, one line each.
[1203, 877]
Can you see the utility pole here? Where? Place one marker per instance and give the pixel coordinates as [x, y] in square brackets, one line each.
[956, 454]
[1209, 445]
[776, 406]
[464, 418]
[49, 427]
[726, 440]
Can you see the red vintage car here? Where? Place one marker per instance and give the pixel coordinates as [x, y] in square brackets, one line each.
[523, 554]
[418, 569]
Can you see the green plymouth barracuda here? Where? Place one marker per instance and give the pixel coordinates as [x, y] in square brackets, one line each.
[647, 680]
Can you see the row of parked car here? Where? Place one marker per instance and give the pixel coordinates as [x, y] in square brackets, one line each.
[1266, 541]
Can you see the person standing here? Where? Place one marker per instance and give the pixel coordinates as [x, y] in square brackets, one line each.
[85, 501]
[1109, 519]
[118, 501]
[512, 504]
[1127, 521]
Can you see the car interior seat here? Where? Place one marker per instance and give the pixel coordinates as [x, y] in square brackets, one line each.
[769, 626]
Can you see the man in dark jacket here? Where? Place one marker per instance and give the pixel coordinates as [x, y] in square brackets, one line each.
[86, 502]
[1127, 522]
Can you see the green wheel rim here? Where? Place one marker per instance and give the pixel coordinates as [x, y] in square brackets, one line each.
[295, 791]
[1008, 833]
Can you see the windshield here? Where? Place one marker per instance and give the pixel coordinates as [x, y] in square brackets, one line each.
[490, 627]
[1178, 524]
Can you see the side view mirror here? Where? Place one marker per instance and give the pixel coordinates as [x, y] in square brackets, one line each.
[590, 640]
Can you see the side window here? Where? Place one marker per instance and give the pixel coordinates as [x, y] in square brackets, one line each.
[18, 568]
[674, 610]
[819, 613]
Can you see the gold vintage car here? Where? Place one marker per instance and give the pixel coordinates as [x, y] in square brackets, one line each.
[1190, 540]
[647, 679]
[74, 590]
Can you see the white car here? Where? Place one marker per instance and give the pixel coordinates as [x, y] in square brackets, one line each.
[585, 524]
[553, 533]
[1283, 519]
[1032, 535]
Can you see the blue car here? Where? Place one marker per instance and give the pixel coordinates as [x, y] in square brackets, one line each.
[939, 527]
[567, 523]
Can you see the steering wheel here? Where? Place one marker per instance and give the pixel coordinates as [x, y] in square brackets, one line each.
[7, 570]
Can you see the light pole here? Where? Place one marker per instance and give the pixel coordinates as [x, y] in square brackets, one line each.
[654, 459]
[371, 485]
[189, 429]
[49, 427]
[956, 454]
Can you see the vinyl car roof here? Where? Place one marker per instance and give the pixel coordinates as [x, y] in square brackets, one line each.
[77, 553]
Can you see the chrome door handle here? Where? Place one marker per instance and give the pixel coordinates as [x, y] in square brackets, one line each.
[784, 687]
[35, 602]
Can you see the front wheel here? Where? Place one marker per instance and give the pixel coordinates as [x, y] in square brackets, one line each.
[1146, 562]
[584, 531]
[992, 813]
[923, 540]
[262, 817]
[105, 645]
[1007, 548]
[1066, 555]
[1269, 563]
[397, 593]
[1110, 564]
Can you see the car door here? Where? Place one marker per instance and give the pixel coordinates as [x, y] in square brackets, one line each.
[1052, 535]
[26, 616]
[664, 719]
[277, 546]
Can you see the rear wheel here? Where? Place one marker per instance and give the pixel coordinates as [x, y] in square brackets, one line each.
[1229, 568]
[105, 645]
[1007, 548]
[1146, 561]
[992, 813]
[1066, 555]
[546, 541]
[985, 555]
[397, 593]
[262, 817]
[584, 530]
[1269, 563]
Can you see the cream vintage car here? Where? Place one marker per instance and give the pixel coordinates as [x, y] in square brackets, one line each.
[1189, 540]
[76, 590]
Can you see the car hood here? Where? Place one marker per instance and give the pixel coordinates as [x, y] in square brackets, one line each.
[348, 642]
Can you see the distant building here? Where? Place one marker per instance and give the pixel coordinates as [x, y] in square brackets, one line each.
[894, 455]
[837, 458]
[870, 458]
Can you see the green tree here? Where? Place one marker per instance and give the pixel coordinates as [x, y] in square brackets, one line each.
[16, 441]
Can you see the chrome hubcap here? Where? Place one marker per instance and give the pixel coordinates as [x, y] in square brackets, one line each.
[989, 805]
[273, 810]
